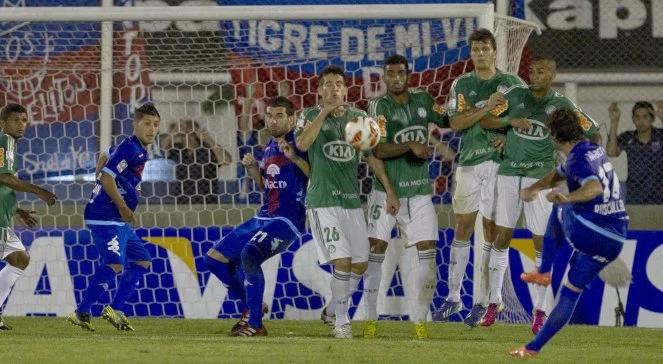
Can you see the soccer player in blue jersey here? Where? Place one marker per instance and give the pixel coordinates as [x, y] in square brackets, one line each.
[591, 217]
[282, 173]
[109, 215]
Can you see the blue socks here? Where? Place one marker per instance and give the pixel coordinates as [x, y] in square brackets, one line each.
[231, 277]
[559, 317]
[102, 276]
[548, 252]
[128, 284]
[254, 283]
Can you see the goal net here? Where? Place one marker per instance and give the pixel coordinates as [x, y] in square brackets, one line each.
[210, 80]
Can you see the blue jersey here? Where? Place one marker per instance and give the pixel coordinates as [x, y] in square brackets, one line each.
[125, 164]
[285, 184]
[588, 161]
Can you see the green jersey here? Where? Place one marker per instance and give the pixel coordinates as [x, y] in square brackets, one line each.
[7, 165]
[407, 123]
[531, 153]
[469, 92]
[333, 178]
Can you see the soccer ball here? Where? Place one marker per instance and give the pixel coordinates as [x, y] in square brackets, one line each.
[362, 133]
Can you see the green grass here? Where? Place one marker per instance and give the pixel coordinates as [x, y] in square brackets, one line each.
[48, 340]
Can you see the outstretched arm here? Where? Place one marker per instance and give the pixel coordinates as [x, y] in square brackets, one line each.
[9, 180]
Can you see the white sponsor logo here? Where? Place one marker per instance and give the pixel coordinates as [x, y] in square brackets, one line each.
[114, 245]
[415, 133]
[538, 131]
[339, 151]
[275, 184]
[273, 170]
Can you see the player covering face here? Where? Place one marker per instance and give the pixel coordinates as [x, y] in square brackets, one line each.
[333, 205]
[236, 260]
[404, 148]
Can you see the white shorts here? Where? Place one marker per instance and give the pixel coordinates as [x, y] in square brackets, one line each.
[9, 242]
[339, 233]
[416, 218]
[509, 205]
[475, 189]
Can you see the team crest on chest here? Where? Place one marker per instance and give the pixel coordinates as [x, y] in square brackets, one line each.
[550, 109]
[421, 112]
[502, 88]
[473, 93]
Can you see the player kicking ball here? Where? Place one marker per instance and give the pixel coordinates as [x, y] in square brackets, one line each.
[109, 216]
[283, 174]
[13, 122]
[592, 218]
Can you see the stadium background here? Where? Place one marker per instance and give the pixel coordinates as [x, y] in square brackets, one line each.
[60, 151]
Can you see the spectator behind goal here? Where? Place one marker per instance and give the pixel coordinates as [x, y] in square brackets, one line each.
[644, 152]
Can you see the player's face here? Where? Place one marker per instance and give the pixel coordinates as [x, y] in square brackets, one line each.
[332, 88]
[541, 75]
[643, 119]
[396, 78]
[483, 54]
[15, 125]
[146, 128]
[278, 121]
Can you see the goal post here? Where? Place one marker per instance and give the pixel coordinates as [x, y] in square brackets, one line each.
[81, 71]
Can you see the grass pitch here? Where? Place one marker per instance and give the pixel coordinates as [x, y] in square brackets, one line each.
[53, 340]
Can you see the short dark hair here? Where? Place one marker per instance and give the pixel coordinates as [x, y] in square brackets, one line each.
[11, 109]
[397, 59]
[483, 35]
[146, 109]
[330, 70]
[565, 126]
[545, 58]
[282, 101]
[643, 105]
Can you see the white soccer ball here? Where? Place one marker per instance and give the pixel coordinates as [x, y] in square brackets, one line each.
[362, 133]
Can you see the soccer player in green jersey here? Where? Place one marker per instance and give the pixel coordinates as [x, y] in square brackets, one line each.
[529, 155]
[474, 95]
[405, 152]
[13, 122]
[333, 205]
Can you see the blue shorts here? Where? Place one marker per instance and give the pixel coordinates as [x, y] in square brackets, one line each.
[118, 244]
[599, 239]
[595, 243]
[271, 235]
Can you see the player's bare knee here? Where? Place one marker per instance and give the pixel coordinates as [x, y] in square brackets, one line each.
[359, 268]
[214, 254]
[426, 245]
[538, 242]
[572, 287]
[18, 259]
[23, 260]
[464, 226]
[489, 229]
[342, 264]
[117, 268]
[502, 238]
[144, 263]
[377, 246]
